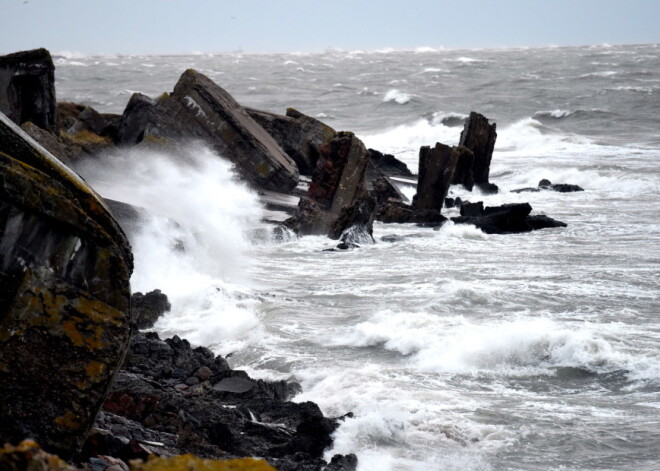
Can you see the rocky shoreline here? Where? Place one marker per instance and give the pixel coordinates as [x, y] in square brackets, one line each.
[76, 374]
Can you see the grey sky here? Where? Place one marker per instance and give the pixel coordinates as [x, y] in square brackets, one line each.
[177, 26]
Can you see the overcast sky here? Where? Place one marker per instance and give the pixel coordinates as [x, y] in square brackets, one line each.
[178, 26]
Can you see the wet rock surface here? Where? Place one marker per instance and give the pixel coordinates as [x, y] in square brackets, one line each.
[64, 297]
[505, 219]
[147, 308]
[547, 185]
[170, 398]
[479, 136]
[388, 164]
[200, 109]
[436, 170]
[337, 194]
[27, 88]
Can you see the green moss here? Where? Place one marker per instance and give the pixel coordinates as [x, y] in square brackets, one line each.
[194, 463]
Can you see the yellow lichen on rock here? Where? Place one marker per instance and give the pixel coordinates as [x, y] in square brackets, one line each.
[28, 455]
[194, 463]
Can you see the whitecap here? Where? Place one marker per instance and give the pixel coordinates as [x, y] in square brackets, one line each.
[396, 96]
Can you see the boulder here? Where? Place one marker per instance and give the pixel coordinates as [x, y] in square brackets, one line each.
[355, 222]
[389, 165]
[383, 190]
[338, 182]
[134, 119]
[504, 219]
[51, 142]
[102, 124]
[287, 132]
[463, 174]
[315, 135]
[67, 114]
[479, 136]
[436, 169]
[401, 213]
[200, 109]
[545, 184]
[65, 323]
[27, 88]
[147, 308]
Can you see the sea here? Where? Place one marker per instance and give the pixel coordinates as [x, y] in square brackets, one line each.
[452, 349]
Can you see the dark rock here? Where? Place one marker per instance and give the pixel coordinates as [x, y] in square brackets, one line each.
[89, 119]
[342, 463]
[299, 135]
[128, 216]
[383, 190]
[541, 221]
[389, 165]
[472, 209]
[200, 109]
[239, 416]
[463, 174]
[64, 297]
[147, 308]
[488, 188]
[337, 194]
[314, 135]
[134, 119]
[67, 114]
[545, 184]
[27, 88]
[505, 219]
[347, 246]
[397, 212]
[479, 136]
[51, 142]
[436, 169]
[355, 222]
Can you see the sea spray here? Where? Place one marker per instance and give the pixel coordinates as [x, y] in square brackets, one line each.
[191, 242]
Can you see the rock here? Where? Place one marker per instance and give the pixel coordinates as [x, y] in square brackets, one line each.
[102, 124]
[545, 184]
[488, 188]
[338, 182]
[505, 219]
[383, 190]
[134, 119]
[27, 88]
[542, 221]
[200, 109]
[195, 463]
[128, 216]
[479, 136]
[65, 323]
[288, 133]
[463, 174]
[314, 136]
[28, 455]
[453, 202]
[472, 209]
[67, 114]
[355, 222]
[147, 308]
[51, 142]
[436, 169]
[342, 463]
[397, 212]
[238, 416]
[389, 165]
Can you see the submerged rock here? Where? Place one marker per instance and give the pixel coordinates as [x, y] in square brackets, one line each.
[545, 184]
[479, 136]
[64, 297]
[27, 88]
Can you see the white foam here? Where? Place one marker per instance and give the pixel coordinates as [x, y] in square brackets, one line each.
[192, 245]
[395, 95]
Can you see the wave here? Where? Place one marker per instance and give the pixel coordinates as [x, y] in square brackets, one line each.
[517, 347]
[578, 113]
[396, 96]
[192, 239]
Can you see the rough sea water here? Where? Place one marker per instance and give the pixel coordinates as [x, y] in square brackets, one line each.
[455, 350]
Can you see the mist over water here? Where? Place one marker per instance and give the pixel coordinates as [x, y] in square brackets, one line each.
[454, 349]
